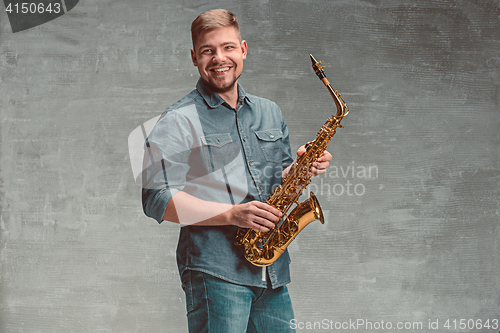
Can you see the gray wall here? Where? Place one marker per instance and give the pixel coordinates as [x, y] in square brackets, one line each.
[412, 235]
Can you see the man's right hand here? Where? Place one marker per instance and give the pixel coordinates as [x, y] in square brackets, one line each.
[189, 210]
[256, 215]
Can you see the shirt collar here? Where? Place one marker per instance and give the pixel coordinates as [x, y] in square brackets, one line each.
[213, 99]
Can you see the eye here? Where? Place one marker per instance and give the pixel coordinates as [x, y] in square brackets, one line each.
[206, 51]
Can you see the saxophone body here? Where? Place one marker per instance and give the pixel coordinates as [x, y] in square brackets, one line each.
[263, 248]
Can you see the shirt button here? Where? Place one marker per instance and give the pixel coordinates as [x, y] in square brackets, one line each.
[272, 136]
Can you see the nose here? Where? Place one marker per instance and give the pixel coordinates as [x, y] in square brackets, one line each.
[219, 56]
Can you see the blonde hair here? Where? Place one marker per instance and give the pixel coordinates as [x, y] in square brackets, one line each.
[213, 19]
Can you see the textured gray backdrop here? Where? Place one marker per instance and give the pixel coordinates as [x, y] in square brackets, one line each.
[412, 197]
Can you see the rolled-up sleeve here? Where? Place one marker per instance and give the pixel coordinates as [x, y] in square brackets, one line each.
[165, 163]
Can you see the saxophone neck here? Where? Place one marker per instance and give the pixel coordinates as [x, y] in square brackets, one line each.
[342, 109]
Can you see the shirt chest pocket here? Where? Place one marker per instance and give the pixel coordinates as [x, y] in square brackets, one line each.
[218, 150]
[271, 142]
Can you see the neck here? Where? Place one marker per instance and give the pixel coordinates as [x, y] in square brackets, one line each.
[231, 97]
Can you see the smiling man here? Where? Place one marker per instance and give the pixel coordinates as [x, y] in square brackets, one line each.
[219, 56]
[211, 161]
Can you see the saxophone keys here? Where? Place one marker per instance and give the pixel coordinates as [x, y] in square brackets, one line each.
[294, 227]
[280, 239]
[252, 254]
[268, 253]
[290, 228]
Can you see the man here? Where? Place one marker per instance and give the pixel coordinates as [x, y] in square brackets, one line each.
[210, 162]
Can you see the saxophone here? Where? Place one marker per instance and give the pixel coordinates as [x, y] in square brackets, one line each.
[263, 248]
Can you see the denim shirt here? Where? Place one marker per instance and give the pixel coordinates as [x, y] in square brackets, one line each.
[204, 147]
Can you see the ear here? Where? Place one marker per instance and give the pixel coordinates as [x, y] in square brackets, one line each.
[193, 57]
[244, 48]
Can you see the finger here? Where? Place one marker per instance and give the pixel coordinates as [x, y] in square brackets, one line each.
[265, 223]
[321, 165]
[266, 218]
[258, 227]
[318, 170]
[325, 157]
[267, 211]
[259, 223]
[301, 150]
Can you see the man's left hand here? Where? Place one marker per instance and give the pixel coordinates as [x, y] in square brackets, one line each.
[320, 165]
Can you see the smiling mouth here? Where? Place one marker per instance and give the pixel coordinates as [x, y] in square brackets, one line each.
[220, 69]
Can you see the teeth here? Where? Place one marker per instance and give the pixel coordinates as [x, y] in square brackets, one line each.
[220, 70]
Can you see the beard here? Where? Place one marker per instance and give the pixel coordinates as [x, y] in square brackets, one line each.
[222, 88]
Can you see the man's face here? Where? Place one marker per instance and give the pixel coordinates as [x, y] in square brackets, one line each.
[219, 56]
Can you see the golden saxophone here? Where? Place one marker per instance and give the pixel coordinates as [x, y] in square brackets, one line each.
[263, 248]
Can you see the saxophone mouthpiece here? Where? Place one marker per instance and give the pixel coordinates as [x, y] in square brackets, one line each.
[318, 69]
[313, 60]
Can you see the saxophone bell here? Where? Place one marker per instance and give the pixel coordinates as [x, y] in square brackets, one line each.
[307, 211]
[276, 241]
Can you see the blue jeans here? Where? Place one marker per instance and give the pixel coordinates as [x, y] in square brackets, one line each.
[217, 306]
